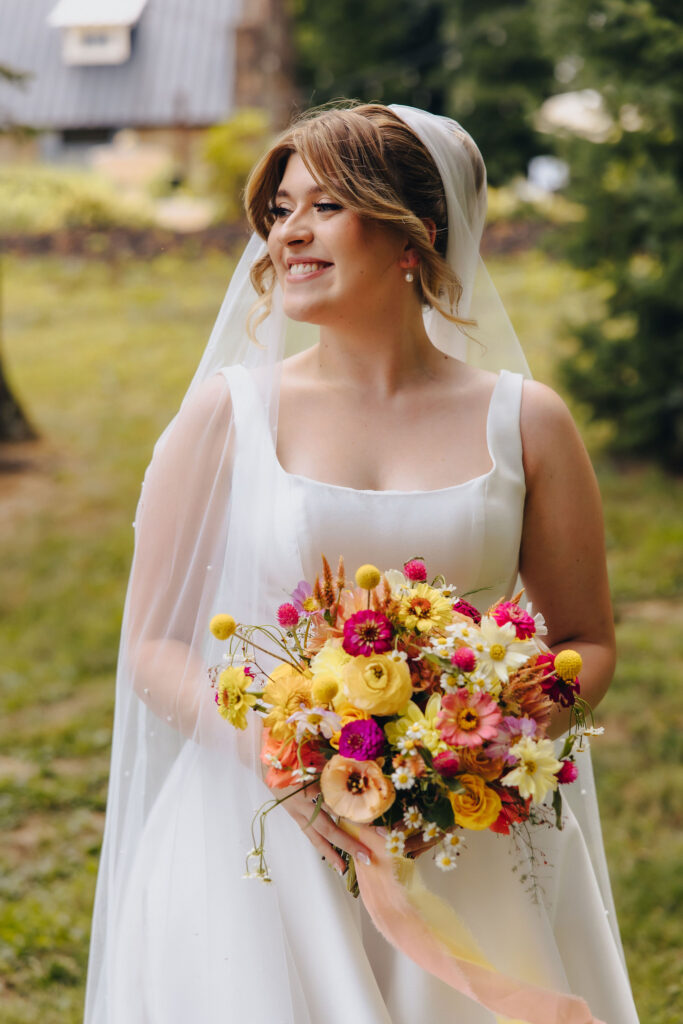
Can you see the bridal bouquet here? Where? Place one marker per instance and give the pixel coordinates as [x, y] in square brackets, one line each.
[411, 709]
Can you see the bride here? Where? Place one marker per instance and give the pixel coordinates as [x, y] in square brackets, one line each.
[406, 424]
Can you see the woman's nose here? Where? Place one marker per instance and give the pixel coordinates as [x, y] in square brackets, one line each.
[298, 227]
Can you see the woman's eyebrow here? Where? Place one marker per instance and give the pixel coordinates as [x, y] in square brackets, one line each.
[282, 193]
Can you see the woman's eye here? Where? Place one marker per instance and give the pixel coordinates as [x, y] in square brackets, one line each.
[279, 211]
[327, 207]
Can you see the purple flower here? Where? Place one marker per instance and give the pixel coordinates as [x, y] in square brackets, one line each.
[367, 633]
[303, 600]
[361, 739]
[510, 730]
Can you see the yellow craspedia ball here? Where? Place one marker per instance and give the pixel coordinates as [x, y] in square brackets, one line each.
[222, 626]
[324, 689]
[568, 664]
[368, 576]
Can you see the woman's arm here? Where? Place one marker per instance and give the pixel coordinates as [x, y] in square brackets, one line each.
[180, 524]
[562, 559]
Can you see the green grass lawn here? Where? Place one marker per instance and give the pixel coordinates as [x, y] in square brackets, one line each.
[101, 356]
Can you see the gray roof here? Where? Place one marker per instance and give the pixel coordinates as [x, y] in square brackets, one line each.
[181, 70]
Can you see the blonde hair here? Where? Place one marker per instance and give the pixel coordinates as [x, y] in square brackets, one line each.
[372, 163]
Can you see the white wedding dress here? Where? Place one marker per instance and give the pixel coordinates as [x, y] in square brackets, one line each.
[197, 944]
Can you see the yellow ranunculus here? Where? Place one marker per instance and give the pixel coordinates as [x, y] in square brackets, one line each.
[330, 660]
[476, 808]
[285, 691]
[379, 684]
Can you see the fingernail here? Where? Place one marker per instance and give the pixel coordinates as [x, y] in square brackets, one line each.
[382, 831]
[363, 857]
[339, 870]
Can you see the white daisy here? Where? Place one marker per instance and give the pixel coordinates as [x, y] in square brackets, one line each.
[395, 842]
[453, 841]
[446, 860]
[431, 831]
[498, 649]
[403, 778]
[412, 817]
[315, 722]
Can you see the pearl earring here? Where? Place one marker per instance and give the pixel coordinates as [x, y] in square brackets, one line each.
[409, 277]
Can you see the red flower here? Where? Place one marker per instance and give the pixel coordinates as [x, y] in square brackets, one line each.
[568, 772]
[464, 659]
[415, 570]
[559, 690]
[447, 763]
[465, 608]
[287, 616]
[513, 810]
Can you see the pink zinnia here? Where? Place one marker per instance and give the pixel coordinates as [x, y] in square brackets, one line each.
[415, 570]
[568, 772]
[467, 719]
[447, 763]
[465, 608]
[464, 659]
[507, 611]
[367, 632]
[361, 739]
[287, 616]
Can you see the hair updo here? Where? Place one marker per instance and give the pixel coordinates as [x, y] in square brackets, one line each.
[372, 163]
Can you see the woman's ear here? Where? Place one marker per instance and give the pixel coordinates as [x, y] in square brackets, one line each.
[409, 257]
[431, 228]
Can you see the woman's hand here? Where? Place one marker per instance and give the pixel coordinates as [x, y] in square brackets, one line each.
[324, 832]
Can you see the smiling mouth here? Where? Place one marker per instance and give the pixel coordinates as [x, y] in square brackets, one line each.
[305, 270]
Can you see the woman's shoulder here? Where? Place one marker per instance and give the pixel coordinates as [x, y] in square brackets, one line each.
[547, 428]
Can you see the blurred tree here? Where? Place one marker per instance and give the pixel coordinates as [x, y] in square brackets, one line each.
[496, 75]
[231, 150]
[628, 368]
[14, 425]
[372, 50]
[482, 64]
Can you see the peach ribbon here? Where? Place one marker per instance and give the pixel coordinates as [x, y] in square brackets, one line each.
[426, 929]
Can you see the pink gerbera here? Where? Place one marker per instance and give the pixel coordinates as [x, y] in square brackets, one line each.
[508, 611]
[367, 632]
[467, 719]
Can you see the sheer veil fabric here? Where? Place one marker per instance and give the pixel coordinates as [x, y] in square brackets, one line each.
[211, 486]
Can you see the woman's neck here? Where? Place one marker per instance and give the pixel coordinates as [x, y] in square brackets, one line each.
[378, 358]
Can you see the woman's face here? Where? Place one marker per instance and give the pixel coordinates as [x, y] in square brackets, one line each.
[333, 266]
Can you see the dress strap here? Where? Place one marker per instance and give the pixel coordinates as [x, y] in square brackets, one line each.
[502, 430]
[249, 411]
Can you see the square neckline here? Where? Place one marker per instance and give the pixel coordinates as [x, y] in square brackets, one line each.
[372, 492]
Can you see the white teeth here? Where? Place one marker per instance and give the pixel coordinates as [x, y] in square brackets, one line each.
[306, 268]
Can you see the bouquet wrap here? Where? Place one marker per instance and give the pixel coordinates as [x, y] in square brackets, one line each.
[426, 929]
